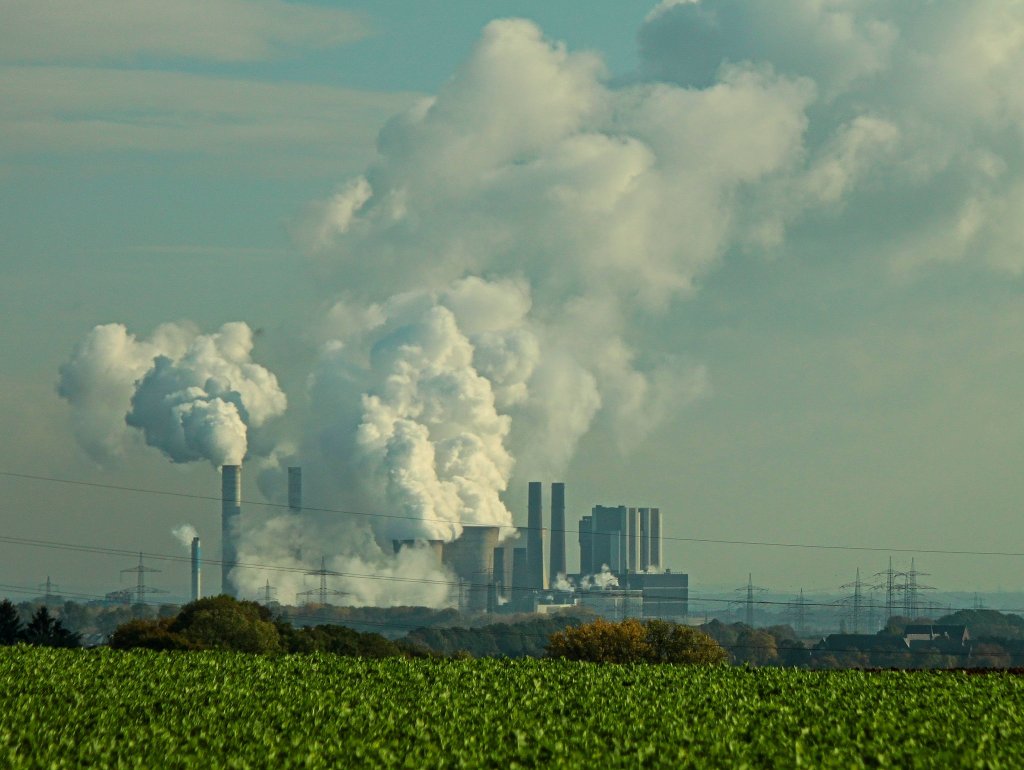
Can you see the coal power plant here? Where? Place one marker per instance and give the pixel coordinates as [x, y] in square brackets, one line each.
[514, 569]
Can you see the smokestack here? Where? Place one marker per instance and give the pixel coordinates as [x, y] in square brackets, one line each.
[557, 562]
[197, 590]
[535, 537]
[295, 489]
[231, 511]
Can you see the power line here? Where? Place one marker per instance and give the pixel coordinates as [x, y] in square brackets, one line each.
[341, 511]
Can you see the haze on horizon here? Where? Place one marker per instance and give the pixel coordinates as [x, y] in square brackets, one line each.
[756, 263]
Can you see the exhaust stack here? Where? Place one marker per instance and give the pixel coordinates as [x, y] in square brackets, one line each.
[197, 591]
[231, 512]
[535, 537]
[556, 566]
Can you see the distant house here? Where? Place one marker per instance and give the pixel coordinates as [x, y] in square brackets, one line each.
[867, 643]
[932, 634]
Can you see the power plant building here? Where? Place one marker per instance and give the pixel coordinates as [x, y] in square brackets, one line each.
[626, 540]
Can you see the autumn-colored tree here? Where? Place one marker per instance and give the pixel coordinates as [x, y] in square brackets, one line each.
[633, 641]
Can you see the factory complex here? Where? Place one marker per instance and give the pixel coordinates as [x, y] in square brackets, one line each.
[497, 569]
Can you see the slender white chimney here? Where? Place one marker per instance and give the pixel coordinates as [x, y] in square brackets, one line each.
[231, 511]
[197, 590]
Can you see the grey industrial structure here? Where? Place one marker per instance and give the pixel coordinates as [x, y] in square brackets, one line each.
[197, 588]
[231, 511]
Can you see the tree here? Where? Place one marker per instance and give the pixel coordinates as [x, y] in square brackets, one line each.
[11, 629]
[633, 641]
[673, 643]
[150, 634]
[47, 631]
[756, 647]
[224, 623]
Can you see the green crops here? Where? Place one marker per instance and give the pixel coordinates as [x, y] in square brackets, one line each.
[106, 709]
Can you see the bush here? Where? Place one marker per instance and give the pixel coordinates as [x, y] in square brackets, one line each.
[633, 641]
[150, 634]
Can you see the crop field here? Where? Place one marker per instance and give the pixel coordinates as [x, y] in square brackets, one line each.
[106, 709]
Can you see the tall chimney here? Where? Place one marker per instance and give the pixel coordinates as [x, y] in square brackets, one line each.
[197, 590]
[231, 511]
[557, 563]
[535, 537]
[294, 489]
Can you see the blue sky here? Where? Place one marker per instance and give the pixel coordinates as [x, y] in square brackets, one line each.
[798, 319]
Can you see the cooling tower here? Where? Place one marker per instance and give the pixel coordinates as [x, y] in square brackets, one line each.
[295, 490]
[535, 537]
[231, 511]
[557, 563]
[197, 590]
[471, 558]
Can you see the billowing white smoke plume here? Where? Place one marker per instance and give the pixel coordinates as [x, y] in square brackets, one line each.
[192, 396]
[499, 268]
[185, 534]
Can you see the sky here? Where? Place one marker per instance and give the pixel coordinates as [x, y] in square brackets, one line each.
[756, 263]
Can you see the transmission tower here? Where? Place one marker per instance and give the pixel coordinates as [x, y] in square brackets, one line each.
[323, 592]
[889, 585]
[268, 592]
[141, 589]
[49, 589]
[911, 596]
[855, 602]
[748, 602]
[797, 612]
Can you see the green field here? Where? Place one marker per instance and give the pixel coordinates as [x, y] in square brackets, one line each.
[102, 708]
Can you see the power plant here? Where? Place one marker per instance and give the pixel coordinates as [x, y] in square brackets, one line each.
[620, 553]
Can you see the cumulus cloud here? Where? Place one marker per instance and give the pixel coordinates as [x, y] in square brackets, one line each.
[917, 112]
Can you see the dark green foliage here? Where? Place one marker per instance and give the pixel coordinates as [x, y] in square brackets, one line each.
[987, 623]
[149, 634]
[506, 640]
[11, 629]
[99, 708]
[338, 640]
[223, 623]
[47, 631]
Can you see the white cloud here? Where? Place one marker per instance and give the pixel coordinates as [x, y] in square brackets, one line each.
[84, 111]
[210, 30]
